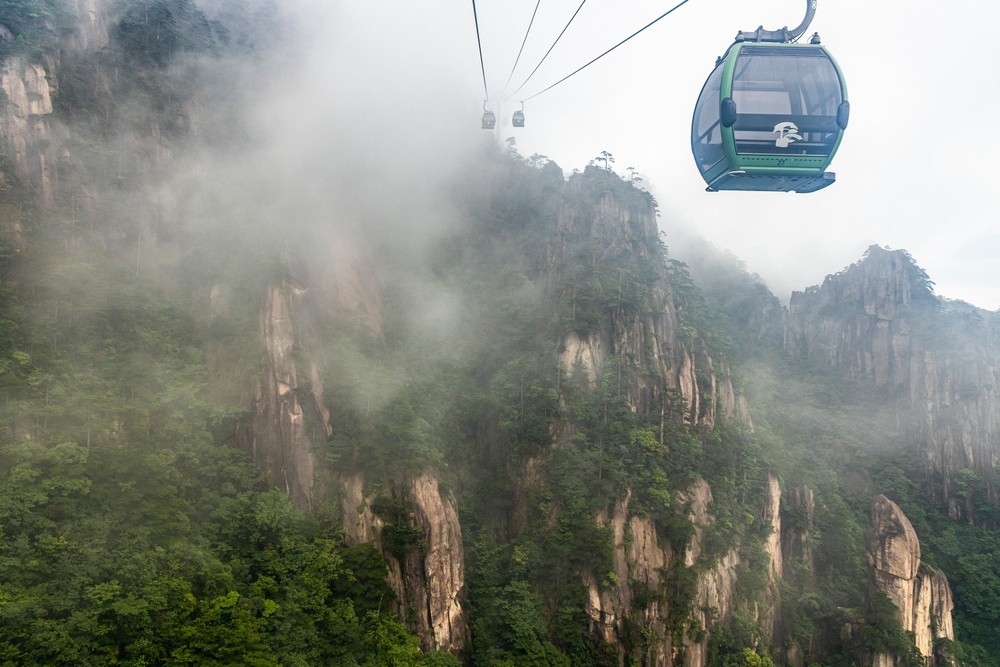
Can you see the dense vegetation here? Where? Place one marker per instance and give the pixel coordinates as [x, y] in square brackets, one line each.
[497, 401]
[132, 532]
[842, 439]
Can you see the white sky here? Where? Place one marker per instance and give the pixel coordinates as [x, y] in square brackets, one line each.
[916, 170]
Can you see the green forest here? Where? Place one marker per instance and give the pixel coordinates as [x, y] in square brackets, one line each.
[136, 530]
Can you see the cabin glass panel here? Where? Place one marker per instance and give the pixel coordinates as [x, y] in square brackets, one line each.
[706, 128]
[786, 101]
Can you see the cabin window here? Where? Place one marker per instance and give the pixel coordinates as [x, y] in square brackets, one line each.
[786, 100]
[706, 130]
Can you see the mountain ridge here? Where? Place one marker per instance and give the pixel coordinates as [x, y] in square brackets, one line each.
[534, 435]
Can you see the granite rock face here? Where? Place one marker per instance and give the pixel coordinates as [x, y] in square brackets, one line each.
[920, 592]
[879, 321]
[29, 136]
[676, 372]
[25, 127]
[642, 560]
[288, 418]
[429, 580]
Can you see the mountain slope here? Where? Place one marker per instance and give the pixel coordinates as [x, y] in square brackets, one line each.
[488, 414]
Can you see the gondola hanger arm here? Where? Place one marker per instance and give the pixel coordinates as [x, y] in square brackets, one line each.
[783, 35]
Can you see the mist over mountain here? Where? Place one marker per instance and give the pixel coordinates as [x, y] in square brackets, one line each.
[287, 381]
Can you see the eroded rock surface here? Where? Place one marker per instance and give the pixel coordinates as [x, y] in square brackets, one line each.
[920, 592]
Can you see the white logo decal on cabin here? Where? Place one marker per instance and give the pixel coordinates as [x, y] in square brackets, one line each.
[787, 133]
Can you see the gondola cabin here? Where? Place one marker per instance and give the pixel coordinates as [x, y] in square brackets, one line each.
[517, 120]
[489, 120]
[770, 117]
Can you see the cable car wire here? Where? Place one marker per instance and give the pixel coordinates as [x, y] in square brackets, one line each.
[479, 40]
[579, 69]
[551, 47]
[523, 42]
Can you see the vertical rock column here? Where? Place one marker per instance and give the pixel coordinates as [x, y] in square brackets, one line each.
[25, 104]
[921, 593]
[430, 580]
[276, 437]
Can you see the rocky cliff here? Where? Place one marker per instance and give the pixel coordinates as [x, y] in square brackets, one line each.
[618, 325]
[673, 380]
[25, 131]
[289, 420]
[879, 321]
[276, 436]
[642, 563]
[675, 590]
[920, 593]
[601, 254]
[429, 579]
[671, 371]
[670, 381]
[650, 339]
[30, 138]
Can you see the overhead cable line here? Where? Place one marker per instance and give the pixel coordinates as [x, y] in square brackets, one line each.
[579, 69]
[479, 40]
[551, 47]
[523, 42]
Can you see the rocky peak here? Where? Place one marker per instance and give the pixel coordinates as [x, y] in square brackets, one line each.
[878, 321]
[883, 282]
[851, 321]
[920, 593]
[613, 221]
[893, 547]
[880, 284]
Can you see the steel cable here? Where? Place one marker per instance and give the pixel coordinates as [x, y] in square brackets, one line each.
[523, 42]
[566, 27]
[579, 69]
[479, 41]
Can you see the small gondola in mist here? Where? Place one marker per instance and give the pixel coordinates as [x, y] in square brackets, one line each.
[517, 120]
[489, 118]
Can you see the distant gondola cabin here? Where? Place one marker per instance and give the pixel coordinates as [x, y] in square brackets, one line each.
[770, 117]
[489, 120]
[517, 120]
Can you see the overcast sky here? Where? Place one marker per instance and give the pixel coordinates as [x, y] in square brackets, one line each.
[916, 169]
